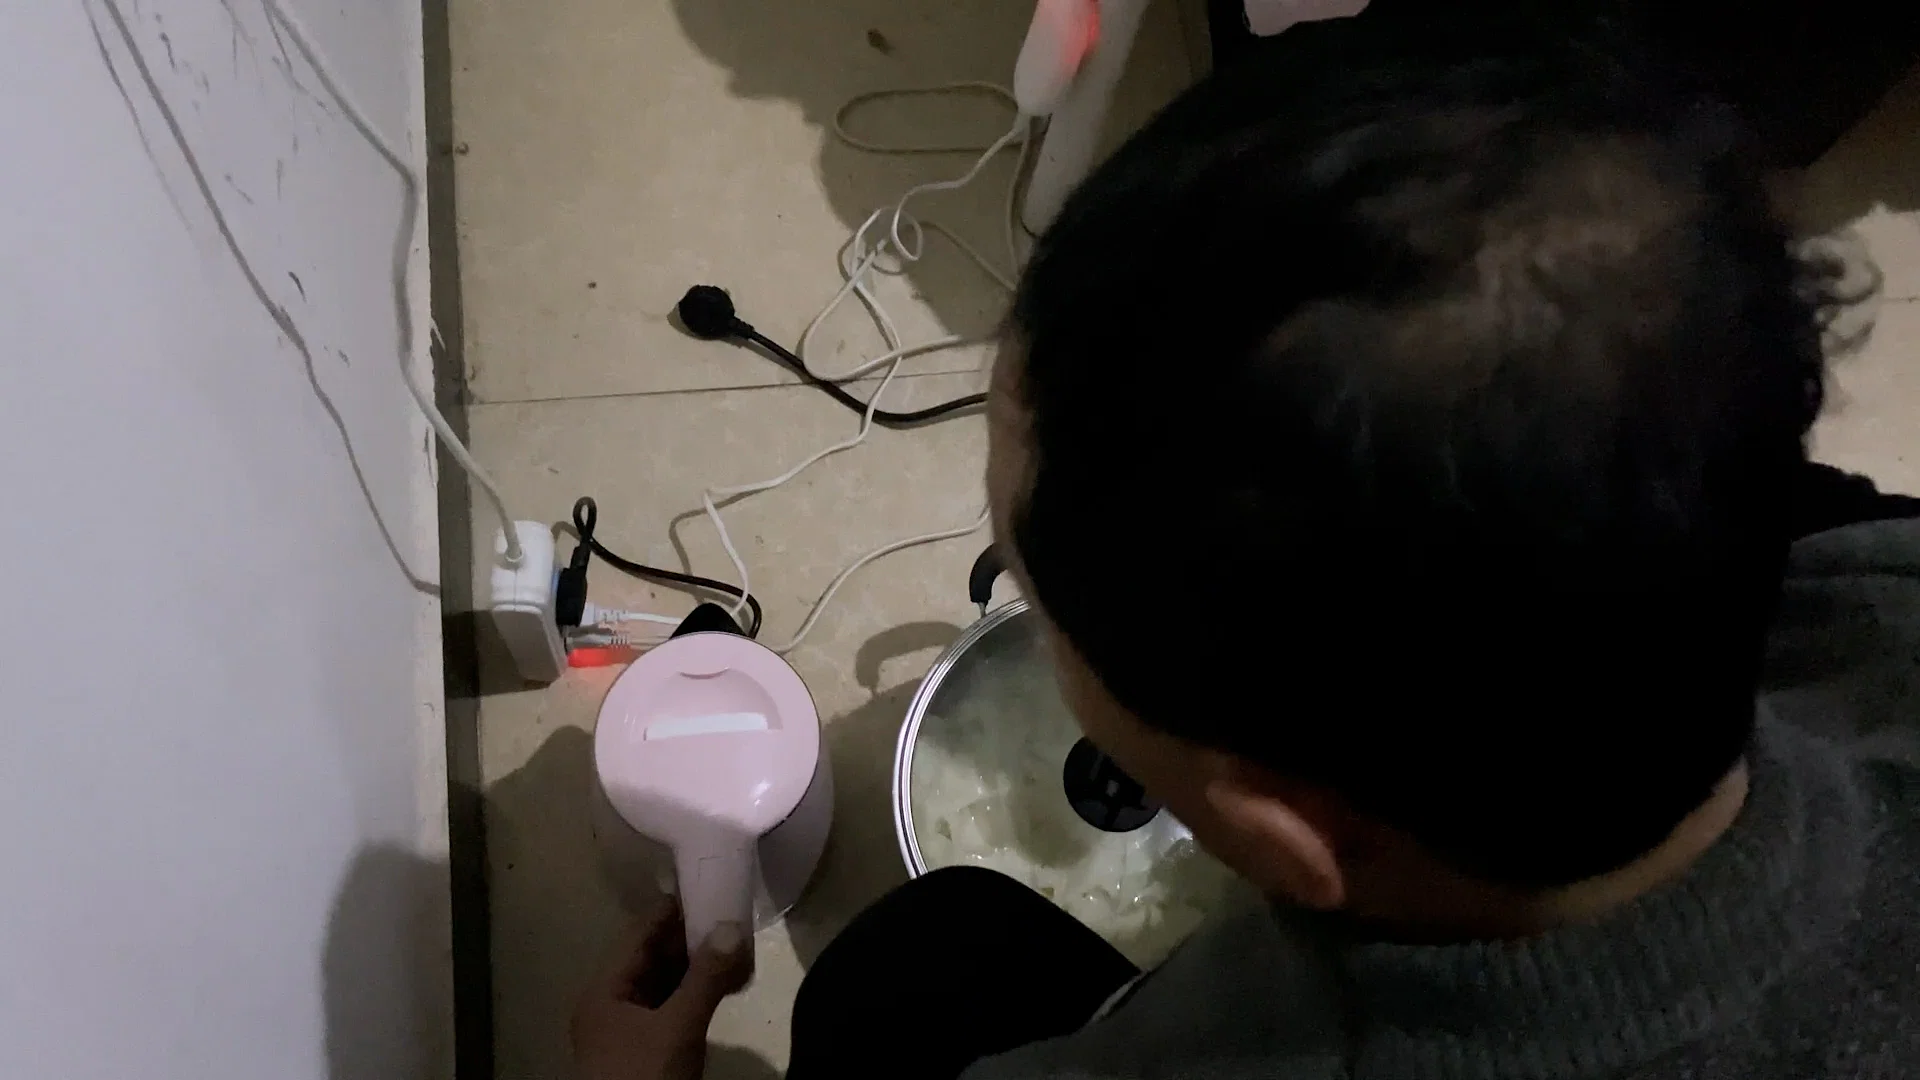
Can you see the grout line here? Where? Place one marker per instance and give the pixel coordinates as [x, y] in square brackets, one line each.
[792, 384]
[795, 384]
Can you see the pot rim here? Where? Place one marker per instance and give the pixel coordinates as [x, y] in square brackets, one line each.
[910, 728]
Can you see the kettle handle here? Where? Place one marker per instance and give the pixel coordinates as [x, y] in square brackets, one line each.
[716, 885]
[986, 570]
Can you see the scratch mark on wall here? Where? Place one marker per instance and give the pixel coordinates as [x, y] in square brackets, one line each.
[285, 62]
[140, 128]
[297, 285]
[289, 328]
[237, 190]
[279, 178]
[273, 27]
[411, 205]
[344, 358]
[238, 33]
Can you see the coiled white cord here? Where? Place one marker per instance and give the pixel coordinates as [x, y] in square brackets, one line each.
[904, 242]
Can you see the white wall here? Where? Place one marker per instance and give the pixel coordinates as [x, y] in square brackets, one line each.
[221, 785]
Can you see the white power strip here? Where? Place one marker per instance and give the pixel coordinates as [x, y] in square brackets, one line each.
[522, 603]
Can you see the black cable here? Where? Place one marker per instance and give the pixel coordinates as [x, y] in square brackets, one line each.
[839, 394]
[707, 312]
[586, 513]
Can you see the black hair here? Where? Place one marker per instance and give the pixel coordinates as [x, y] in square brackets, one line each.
[1457, 369]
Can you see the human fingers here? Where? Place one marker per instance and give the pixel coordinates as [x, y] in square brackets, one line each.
[722, 965]
[654, 943]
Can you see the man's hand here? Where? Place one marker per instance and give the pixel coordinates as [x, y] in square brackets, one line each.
[646, 1018]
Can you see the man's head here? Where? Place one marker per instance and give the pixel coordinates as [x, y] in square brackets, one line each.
[1397, 440]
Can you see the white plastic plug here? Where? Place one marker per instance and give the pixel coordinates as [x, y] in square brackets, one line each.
[522, 602]
[592, 614]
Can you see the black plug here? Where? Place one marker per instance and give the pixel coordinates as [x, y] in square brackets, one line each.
[570, 585]
[708, 618]
[707, 312]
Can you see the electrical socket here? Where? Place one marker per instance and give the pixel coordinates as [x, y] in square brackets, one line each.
[522, 603]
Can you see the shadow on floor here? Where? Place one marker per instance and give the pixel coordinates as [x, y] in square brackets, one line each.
[486, 667]
[862, 859]
[555, 910]
[738, 1063]
[817, 56]
[897, 641]
[570, 894]
[1877, 164]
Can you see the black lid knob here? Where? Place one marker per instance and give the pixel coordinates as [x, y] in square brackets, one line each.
[1103, 796]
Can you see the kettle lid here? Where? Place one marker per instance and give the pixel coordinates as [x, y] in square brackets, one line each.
[706, 729]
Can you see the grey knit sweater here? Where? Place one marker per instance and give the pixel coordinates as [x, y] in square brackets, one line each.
[1790, 950]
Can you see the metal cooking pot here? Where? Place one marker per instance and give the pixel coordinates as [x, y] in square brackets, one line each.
[998, 623]
[1078, 822]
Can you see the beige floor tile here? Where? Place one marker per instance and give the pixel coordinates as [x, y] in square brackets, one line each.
[1870, 183]
[1194, 32]
[645, 459]
[612, 152]
[1869, 425]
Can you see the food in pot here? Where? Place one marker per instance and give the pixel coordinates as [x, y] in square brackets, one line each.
[986, 790]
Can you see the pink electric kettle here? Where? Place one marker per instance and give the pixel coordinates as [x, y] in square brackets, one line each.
[710, 744]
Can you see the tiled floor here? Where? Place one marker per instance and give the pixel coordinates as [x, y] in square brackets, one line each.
[1868, 189]
[612, 152]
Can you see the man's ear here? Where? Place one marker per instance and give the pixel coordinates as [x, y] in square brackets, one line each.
[1284, 833]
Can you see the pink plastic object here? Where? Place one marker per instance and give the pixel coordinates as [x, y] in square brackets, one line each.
[1069, 70]
[1061, 35]
[710, 744]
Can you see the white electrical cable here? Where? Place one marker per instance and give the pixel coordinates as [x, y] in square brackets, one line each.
[713, 510]
[403, 269]
[856, 262]
[860, 257]
[905, 242]
[971, 86]
[857, 259]
[593, 614]
[600, 637]
[820, 605]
